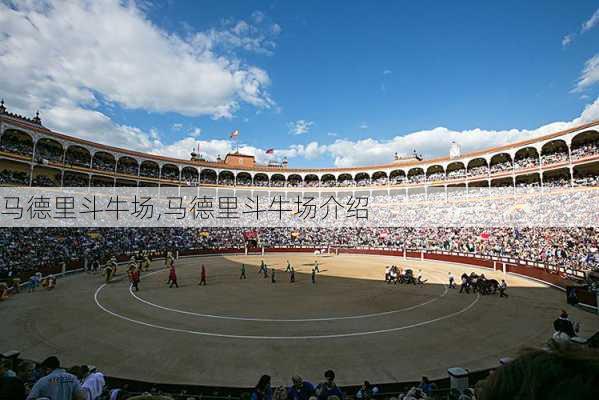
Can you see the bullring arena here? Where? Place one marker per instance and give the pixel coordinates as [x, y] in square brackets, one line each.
[349, 320]
[218, 339]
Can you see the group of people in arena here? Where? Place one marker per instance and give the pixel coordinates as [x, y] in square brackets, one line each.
[396, 274]
[23, 252]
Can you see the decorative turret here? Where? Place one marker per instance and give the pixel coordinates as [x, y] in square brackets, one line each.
[37, 119]
[284, 163]
[455, 151]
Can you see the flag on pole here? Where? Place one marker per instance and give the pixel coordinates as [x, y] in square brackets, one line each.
[234, 134]
[270, 151]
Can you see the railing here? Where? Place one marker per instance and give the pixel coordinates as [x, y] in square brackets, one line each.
[447, 179]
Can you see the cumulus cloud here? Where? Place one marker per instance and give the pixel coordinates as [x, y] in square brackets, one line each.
[300, 126]
[437, 141]
[81, 54]
[589, 75]
[363, 125]
[347, 153]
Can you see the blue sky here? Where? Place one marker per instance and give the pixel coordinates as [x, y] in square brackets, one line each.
[324, 83]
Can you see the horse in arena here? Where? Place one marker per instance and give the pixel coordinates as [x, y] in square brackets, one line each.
[480, 284]
[408, 277]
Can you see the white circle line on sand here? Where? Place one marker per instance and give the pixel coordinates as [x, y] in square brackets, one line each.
[225, 317]
[308, 337]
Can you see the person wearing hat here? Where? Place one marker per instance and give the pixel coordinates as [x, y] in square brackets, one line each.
[57, 384]
[300, 389]
[328, 388]
[563, 325]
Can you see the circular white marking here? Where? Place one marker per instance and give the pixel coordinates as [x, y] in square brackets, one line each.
[283, 320]
[230, 336]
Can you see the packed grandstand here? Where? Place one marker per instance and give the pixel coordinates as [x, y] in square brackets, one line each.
[32, 155]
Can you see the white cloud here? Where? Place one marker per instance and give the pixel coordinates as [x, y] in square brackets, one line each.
[387, 72]
[567, 39]
[436, 142]
[177, 126]
[591, 22]
[589, 75]
[258, 37]
[300, 126]
[95, 126]
[334, 134]
[344, 153]
[586, 26]
[195, 132]
[364, 125]
[87, 61]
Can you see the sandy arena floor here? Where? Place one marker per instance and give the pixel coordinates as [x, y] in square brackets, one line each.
[232, 331]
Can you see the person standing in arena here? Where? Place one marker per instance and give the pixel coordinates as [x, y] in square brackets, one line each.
[451, 281]
[262, 269]
[108, 273]
[95, 266]
[113, 264]
[465, 283]
[203, 276]
[292, 275]
[502, 287]
[133, 274]
[316, 268]
[313, 275]
[172, 277]
[288, 266]
[272, 276]
[242, 276]
[146, 262]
